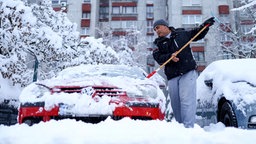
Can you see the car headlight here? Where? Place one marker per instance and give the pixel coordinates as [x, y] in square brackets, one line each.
[252, 119]
[33, 92]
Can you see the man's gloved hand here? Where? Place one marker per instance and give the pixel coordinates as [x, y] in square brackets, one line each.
[209, 22]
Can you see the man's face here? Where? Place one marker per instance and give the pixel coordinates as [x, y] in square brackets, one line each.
[162, 30]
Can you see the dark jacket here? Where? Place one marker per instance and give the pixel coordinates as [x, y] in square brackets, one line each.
[168, 46]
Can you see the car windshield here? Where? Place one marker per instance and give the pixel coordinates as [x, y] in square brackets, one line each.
[103, 70]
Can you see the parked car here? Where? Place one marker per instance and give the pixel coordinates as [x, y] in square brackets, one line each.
[8, 112]
[226, 92]
[92, 93]
[9, 102]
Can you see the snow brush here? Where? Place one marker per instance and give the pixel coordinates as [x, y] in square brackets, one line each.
[177, 52]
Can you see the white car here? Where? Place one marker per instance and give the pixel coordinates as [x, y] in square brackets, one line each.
[226, 92]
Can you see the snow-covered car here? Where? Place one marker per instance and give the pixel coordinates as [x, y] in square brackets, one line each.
[8, 112]
[226, 92]
[92, 93]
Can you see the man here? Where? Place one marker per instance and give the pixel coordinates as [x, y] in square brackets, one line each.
[181, 70]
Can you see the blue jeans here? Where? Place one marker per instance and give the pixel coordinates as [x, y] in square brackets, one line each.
[182, 91]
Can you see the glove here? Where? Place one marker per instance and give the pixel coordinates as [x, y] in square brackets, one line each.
[209, 22]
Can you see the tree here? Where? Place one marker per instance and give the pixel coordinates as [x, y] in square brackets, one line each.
[130, 45]
[38, 32]
[238, 38]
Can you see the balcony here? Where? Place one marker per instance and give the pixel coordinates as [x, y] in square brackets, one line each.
[85, 23]
[86, 7]
[223, 9]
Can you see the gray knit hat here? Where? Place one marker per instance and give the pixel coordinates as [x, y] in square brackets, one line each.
[160, 22]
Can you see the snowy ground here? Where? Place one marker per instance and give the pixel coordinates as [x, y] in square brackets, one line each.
[125, 131]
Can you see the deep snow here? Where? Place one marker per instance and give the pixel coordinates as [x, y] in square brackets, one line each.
[125, 131]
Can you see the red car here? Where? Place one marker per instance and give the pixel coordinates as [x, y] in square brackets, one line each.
[92, 93]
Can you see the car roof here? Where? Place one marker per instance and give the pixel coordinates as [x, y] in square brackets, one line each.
[232, 70]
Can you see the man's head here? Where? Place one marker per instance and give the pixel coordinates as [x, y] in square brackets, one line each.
[161, 27]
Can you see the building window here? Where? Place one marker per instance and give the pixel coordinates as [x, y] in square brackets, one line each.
[116, 10]
[246, 28]
[150, 12]
[104, 12]
[191, 19]
[199, 56]
[87, 1]
[191, 2]
[150, 26]
[150, 40]
[124, 24]
[227, 55]
[124, 10]
[225, 38]
[85, 30]
[129, 10]
[55, 2]
[86, 15]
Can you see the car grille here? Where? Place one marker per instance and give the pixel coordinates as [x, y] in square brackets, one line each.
[93, 90]
[100, 91]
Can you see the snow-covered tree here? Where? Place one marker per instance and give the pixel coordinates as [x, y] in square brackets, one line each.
[17, 35]
[63, 49]
[37, 32]
[93, 51]
[239, 40]
[130, 46]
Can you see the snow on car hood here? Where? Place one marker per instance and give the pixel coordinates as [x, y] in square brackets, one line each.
[235, 79]
[90, 75]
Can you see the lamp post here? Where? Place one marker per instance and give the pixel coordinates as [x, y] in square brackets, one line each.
[35, 65]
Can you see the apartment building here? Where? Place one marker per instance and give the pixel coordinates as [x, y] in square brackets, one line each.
[123, 15]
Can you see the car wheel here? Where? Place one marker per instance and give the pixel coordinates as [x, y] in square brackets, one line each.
[31, 121]
[28, 122]
[227, 115]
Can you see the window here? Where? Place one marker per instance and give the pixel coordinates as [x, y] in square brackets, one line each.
[124, 10]
[191, 19]
[227, 55]
[150, 40]
[191, 2]
[116, 10]
[225, 38]
[85, 30]
[86, 15]
[87, 1]
[246, 28]
[150, 12]
[124, 24]
[104, 12]
[150, 26]
[129, 10]
[54, 2]
[199, 56]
